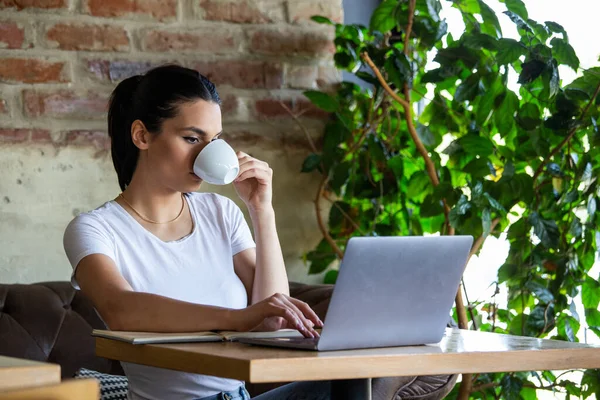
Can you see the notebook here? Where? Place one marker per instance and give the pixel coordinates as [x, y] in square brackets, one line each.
[191, 337]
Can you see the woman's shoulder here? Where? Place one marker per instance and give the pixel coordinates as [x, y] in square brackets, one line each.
[93, 218]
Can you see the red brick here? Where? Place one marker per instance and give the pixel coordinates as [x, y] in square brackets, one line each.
[158, 9]
[40, 136]
[291, 41]
[209, 40]
[15, 135]
[88, 37]
[241, 11]
[269, 108]
[97, 139]
[240, 139]
[301, 11]
[229, 104]
[117, 70]
[242, 74]
[301, 76]
[64, 104]
[22, 4]
[23, 70]
[11, 35]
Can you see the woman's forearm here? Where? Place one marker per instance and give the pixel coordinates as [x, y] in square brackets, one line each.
[270, 276]
[137, 311]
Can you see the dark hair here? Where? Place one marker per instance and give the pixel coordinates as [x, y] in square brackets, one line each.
[152, 98]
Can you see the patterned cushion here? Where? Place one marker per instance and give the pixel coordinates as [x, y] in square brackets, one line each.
[112, 387]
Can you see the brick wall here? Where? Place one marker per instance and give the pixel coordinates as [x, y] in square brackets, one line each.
[59, 61]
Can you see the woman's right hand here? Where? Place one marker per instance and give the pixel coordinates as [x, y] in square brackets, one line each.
[278, 312]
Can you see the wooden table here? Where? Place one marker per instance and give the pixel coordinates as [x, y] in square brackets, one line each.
[459, 351]
[73, 389]
[16, 373]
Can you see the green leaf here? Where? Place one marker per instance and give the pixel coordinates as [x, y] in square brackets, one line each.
[398, 68]
[504, 115]
[530, 70]
[486, 221]
[552, 79]
[320, 258]
[591, 207]
[383, 19]
[520, 22]
[311, 162]
[476, 145]
[554, 27]
[341, 174]
[511, 387]
[529, 116]
[494, 203]
[540, 291]
[590, 293]
[468, 89]
[592, 317]
[545, 230]
[490, 19]
[509, 51]
[486, 108]
[426, 136]
[590, 383]
[576, 228]
[477, 41]
[564, 53]
[517, 7]
[331, 277]
[322, 100]
[321, 20]
[417, 184]
[506, 272]
[396, 164]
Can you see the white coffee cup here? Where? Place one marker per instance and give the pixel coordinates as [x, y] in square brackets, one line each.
[217, 163]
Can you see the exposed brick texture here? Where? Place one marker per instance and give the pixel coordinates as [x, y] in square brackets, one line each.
[64, 104]
[157, 9]
[76, 36]
[243, 74]
[23, 135]
[25, 4]
[12, 35]
[215, 40]
[23, 70]
[292, 41]
[61, 59]
[238, 11]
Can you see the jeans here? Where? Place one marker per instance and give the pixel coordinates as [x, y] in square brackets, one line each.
[311, 390]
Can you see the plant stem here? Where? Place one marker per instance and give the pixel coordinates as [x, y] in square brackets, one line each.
[322, 227]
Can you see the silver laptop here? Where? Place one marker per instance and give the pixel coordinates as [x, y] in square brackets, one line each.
[390, 291]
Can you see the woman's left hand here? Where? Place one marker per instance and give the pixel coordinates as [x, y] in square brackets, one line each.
[254, 182]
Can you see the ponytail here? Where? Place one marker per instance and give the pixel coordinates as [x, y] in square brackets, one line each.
[121, 114]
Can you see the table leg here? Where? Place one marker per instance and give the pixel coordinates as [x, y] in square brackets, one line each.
[351, 389]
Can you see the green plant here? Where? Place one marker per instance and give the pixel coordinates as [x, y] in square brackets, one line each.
[523, 161]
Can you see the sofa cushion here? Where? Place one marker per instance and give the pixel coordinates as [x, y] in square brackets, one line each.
[112, 387]
[51, 322]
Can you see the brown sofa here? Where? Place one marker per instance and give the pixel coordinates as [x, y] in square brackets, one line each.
[50, 321]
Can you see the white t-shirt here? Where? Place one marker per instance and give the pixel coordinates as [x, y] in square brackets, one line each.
[197, 268]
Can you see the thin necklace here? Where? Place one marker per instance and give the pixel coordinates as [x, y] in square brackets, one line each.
[148, 219]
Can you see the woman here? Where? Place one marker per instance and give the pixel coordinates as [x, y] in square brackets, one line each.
[163, 258]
